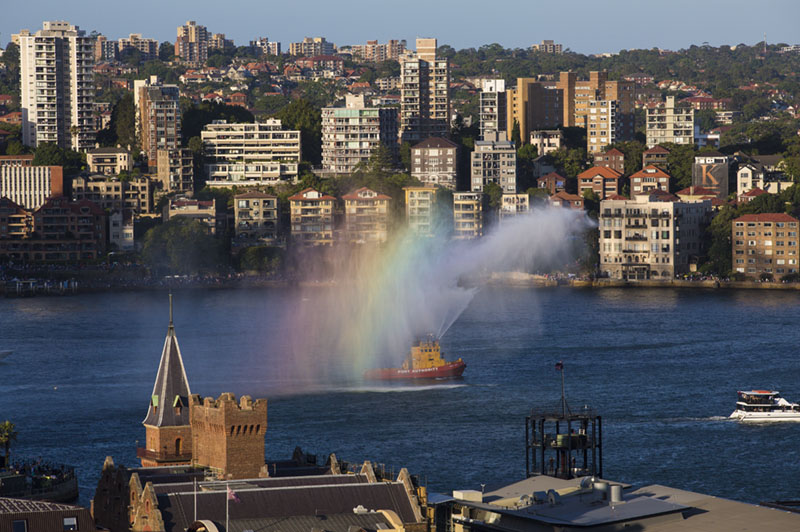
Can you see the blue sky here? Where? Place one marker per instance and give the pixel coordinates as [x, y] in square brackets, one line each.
[466, 23]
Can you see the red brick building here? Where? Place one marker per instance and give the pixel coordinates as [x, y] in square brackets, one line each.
[601, 180]
[613, 159]
[649, 178]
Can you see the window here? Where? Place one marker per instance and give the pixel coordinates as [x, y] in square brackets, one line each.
[70, 523]
[20, 525]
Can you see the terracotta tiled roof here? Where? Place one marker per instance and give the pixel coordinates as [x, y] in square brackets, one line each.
[616, 197]
[354, 195]
[651, 171]
[755, 192]
[300, 196]
[564, 195]
[552, 175]
[604, 171]
[766, 217]
[435, 142]
[615, 152]
[657, 149]
[696, 191]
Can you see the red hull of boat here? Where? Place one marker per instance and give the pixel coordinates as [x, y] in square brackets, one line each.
[448, 371]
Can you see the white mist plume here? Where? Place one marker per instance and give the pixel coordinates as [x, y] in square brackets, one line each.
[384, 299]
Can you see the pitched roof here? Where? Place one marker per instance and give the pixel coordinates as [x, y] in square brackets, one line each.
[754, 192]
[661, 195]
[435, 142]
[651, 171]
[766, 217]
[301, 196]
[657, 149]
[171, 387]
[564, 195]
[696, 191]
[616, 197]
[551, 175]
[615, 152]
[354, 195]
[8, 505]
[603, 171]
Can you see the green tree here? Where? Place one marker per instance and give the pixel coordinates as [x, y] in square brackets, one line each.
[8, 435]
[679, 164]
[494, 193]
[183, 246]
[304, 116]
[15, 147]
[48, 154]
[166, 51]
[526, 155]
[263, 259]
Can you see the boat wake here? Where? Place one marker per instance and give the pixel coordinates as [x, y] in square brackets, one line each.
[395, 388]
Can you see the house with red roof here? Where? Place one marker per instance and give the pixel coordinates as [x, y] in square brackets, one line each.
[566, 200]
[649, 178]
[601, 180]
[751, 194]
[552, 182]
[613, 159]
[312, 218]
[366, 216]
[657, 156]
[765, 245]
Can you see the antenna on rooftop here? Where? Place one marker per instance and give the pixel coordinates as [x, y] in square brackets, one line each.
[170, 308]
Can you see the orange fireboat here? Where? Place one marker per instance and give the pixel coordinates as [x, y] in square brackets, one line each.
[424, 362]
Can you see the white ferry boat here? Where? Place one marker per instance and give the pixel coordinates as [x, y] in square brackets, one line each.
[764, 405]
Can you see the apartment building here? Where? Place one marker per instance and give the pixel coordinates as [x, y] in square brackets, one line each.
[15, 222]
[434, 162]
[533, 105]
[158, 116]
[468, 215]
[375, 53]
[192, 43]
[176, 171]
[601, 180]
[105, 50]
[566, 200]
[351, 133]
[57, 86]
[31, 186]
[261, 153]
[494, 161]
[648, 179]
[16, 160]
[493, 108]
[266, 46]
[546, 140]
[713, 170]
[217, 41]
[311, 46]
[424, 94]
[256, 216]
[669, 121]
[578, 95]
[201, 211]
[147, 48]
[113, 194]
[548, 46]
[651, 236]
[602, 125]
[312, 218]
[760, 172]
[513, 205]
[109, 161]
[765, 244]
[366, 216]
[657, 156]
[67, 231]
[552, 183]
[421, 210]
[613, 159]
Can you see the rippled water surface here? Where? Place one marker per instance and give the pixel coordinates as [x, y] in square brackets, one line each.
[661, 366]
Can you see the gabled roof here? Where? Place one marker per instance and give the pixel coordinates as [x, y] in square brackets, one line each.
[435, 142]
[661, 195]
[616, 197]
[754, 192]
[301, 196]
[171, 388]
[551, 175]
[651, 171]
[603, 171]
[657, 149]
[564, 195]
[766, 217]
[614, 152]
[354, 195]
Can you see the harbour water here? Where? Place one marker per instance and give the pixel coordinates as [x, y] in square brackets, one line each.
[661, 366]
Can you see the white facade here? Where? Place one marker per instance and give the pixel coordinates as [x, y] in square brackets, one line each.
[492, 106]
[57, 86]
[261, 153]
[30, 186]
[670, 122]
[494, 161]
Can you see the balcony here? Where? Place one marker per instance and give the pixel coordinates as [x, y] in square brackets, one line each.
[162, 456]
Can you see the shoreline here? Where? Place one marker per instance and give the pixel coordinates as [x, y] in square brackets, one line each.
[510, 280]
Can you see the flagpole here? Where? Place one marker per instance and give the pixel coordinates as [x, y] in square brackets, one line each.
[195, 498]
[227, 511]
[563, 397]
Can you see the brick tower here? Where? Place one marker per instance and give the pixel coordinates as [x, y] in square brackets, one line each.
[167, 427]
[229, 436]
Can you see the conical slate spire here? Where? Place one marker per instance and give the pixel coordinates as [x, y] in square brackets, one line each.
[169, 403]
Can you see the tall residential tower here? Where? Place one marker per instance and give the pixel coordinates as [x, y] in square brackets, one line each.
[425, 94]
[57, 86]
